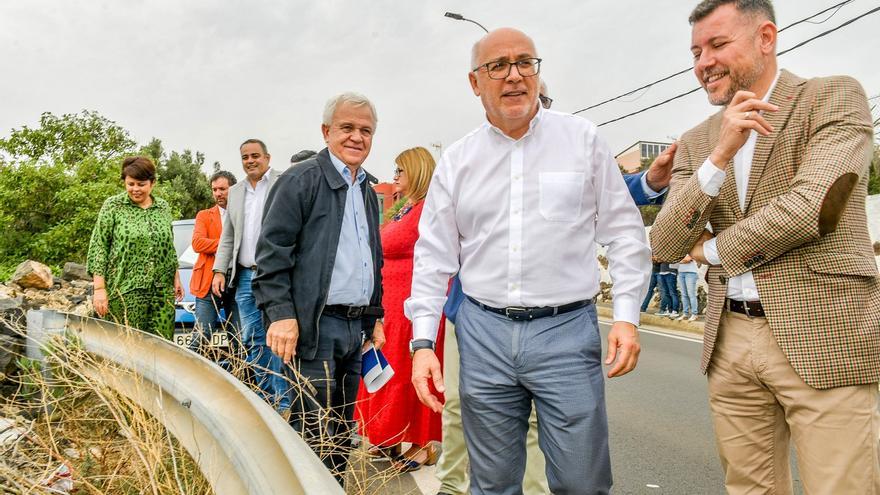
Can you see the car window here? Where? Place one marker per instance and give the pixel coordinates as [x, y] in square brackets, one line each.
[183, 233]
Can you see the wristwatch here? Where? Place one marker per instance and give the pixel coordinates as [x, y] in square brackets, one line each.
[417, 344]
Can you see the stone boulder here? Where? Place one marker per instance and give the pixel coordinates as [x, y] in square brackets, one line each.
[75, 271]
[11, 314]
[34, 275]
[10, 349]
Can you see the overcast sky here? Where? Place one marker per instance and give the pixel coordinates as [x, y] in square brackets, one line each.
[205, 75]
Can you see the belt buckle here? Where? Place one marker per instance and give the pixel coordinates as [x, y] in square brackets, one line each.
[507, 313]
[746, 308]
[354, 312]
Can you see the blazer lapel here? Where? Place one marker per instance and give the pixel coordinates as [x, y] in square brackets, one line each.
[783, 97]
[728, 187]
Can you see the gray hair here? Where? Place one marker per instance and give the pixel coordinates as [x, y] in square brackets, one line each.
[354, 99]
[762, 8]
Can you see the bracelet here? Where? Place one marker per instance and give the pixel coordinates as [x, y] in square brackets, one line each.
[98, 288]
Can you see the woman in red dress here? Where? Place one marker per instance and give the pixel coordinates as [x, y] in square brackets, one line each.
[393, 414]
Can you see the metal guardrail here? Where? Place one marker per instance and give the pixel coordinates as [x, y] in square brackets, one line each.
[239, 442]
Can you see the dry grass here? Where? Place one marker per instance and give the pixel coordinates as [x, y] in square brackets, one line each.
[110, 444]
[63, 416]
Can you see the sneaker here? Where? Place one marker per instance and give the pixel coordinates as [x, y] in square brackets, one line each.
[680, 317]
[693, 318]
[673, 314]
[662, 313]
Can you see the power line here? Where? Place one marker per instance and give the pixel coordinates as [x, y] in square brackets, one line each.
[820, 35]
[684, 71]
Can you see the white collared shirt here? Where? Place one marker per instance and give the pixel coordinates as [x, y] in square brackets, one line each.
[519, 221]
[741, 287]
[254, 201]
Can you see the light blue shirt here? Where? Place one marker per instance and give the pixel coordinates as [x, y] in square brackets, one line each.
[352, 280]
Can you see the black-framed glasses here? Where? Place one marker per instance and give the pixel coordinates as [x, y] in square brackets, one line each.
[546, 101]
[500, 69]
[397, 172]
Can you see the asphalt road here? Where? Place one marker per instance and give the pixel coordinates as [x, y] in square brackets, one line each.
[661, 432]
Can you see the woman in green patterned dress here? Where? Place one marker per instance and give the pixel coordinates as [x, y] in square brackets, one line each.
[132, 257]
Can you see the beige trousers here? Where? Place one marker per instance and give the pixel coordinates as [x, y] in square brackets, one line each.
[759, 405]
[452, 468]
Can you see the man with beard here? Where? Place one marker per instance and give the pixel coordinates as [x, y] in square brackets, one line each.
[205, 239]
[792, 335]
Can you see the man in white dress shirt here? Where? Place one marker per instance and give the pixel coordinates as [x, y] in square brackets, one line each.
[516, 208]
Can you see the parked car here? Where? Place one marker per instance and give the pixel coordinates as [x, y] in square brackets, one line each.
[184, 317]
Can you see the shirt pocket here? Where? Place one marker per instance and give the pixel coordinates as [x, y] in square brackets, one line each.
[561, 195]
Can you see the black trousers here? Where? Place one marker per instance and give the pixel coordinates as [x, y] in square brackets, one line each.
[324, 391]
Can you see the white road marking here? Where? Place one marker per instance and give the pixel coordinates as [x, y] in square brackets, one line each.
[671, 335]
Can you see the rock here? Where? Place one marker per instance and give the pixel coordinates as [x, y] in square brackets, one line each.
[11, 347]
[877, 248]
[96, 452]
[31, 274]
[76, 299]
[75, 271]
[12, 317]
[71, 453]
[10, 303]
[9, 432]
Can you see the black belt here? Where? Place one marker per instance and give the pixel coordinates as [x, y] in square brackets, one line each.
[517, 313]
[748, 308]
[352, 312]
[242, 267]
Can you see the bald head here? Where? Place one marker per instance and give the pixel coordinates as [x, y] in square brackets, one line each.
[503, 35]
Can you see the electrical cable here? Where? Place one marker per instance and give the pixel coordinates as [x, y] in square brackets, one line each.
[820, 35]
[684, 71]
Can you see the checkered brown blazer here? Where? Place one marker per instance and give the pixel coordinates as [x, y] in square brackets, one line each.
[803, 233]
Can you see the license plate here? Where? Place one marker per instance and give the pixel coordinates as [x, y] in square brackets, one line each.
[218, 339]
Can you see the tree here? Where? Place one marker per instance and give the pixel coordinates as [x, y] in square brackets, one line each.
[181, 180]
[55, 177]
[68, 139]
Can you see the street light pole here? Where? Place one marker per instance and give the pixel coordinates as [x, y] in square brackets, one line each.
[459, 17]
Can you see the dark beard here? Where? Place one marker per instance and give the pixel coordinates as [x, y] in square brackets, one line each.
[740, 82]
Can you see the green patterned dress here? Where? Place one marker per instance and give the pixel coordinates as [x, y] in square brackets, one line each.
[133, 249]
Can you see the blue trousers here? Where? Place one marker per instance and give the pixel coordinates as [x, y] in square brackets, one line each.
[687, 284]
[650, 294]
[668, 292]
[555, 361]
[267, 367]
[207, 315]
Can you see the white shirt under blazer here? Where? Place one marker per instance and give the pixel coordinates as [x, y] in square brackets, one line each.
[519, 221]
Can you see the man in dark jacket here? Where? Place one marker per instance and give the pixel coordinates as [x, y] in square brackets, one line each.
[319, 282]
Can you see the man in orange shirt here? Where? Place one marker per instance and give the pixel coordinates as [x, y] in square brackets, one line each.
[206, 237]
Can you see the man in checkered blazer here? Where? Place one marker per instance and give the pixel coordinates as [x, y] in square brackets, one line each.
[792, 336]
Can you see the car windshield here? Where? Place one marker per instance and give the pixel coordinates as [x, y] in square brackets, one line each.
[183, 231]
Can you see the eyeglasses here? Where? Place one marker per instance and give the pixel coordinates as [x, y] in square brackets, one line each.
[500, 69]
[397, 172]
[546, 101]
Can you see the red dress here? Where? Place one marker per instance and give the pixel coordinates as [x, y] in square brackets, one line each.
[393, 414]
